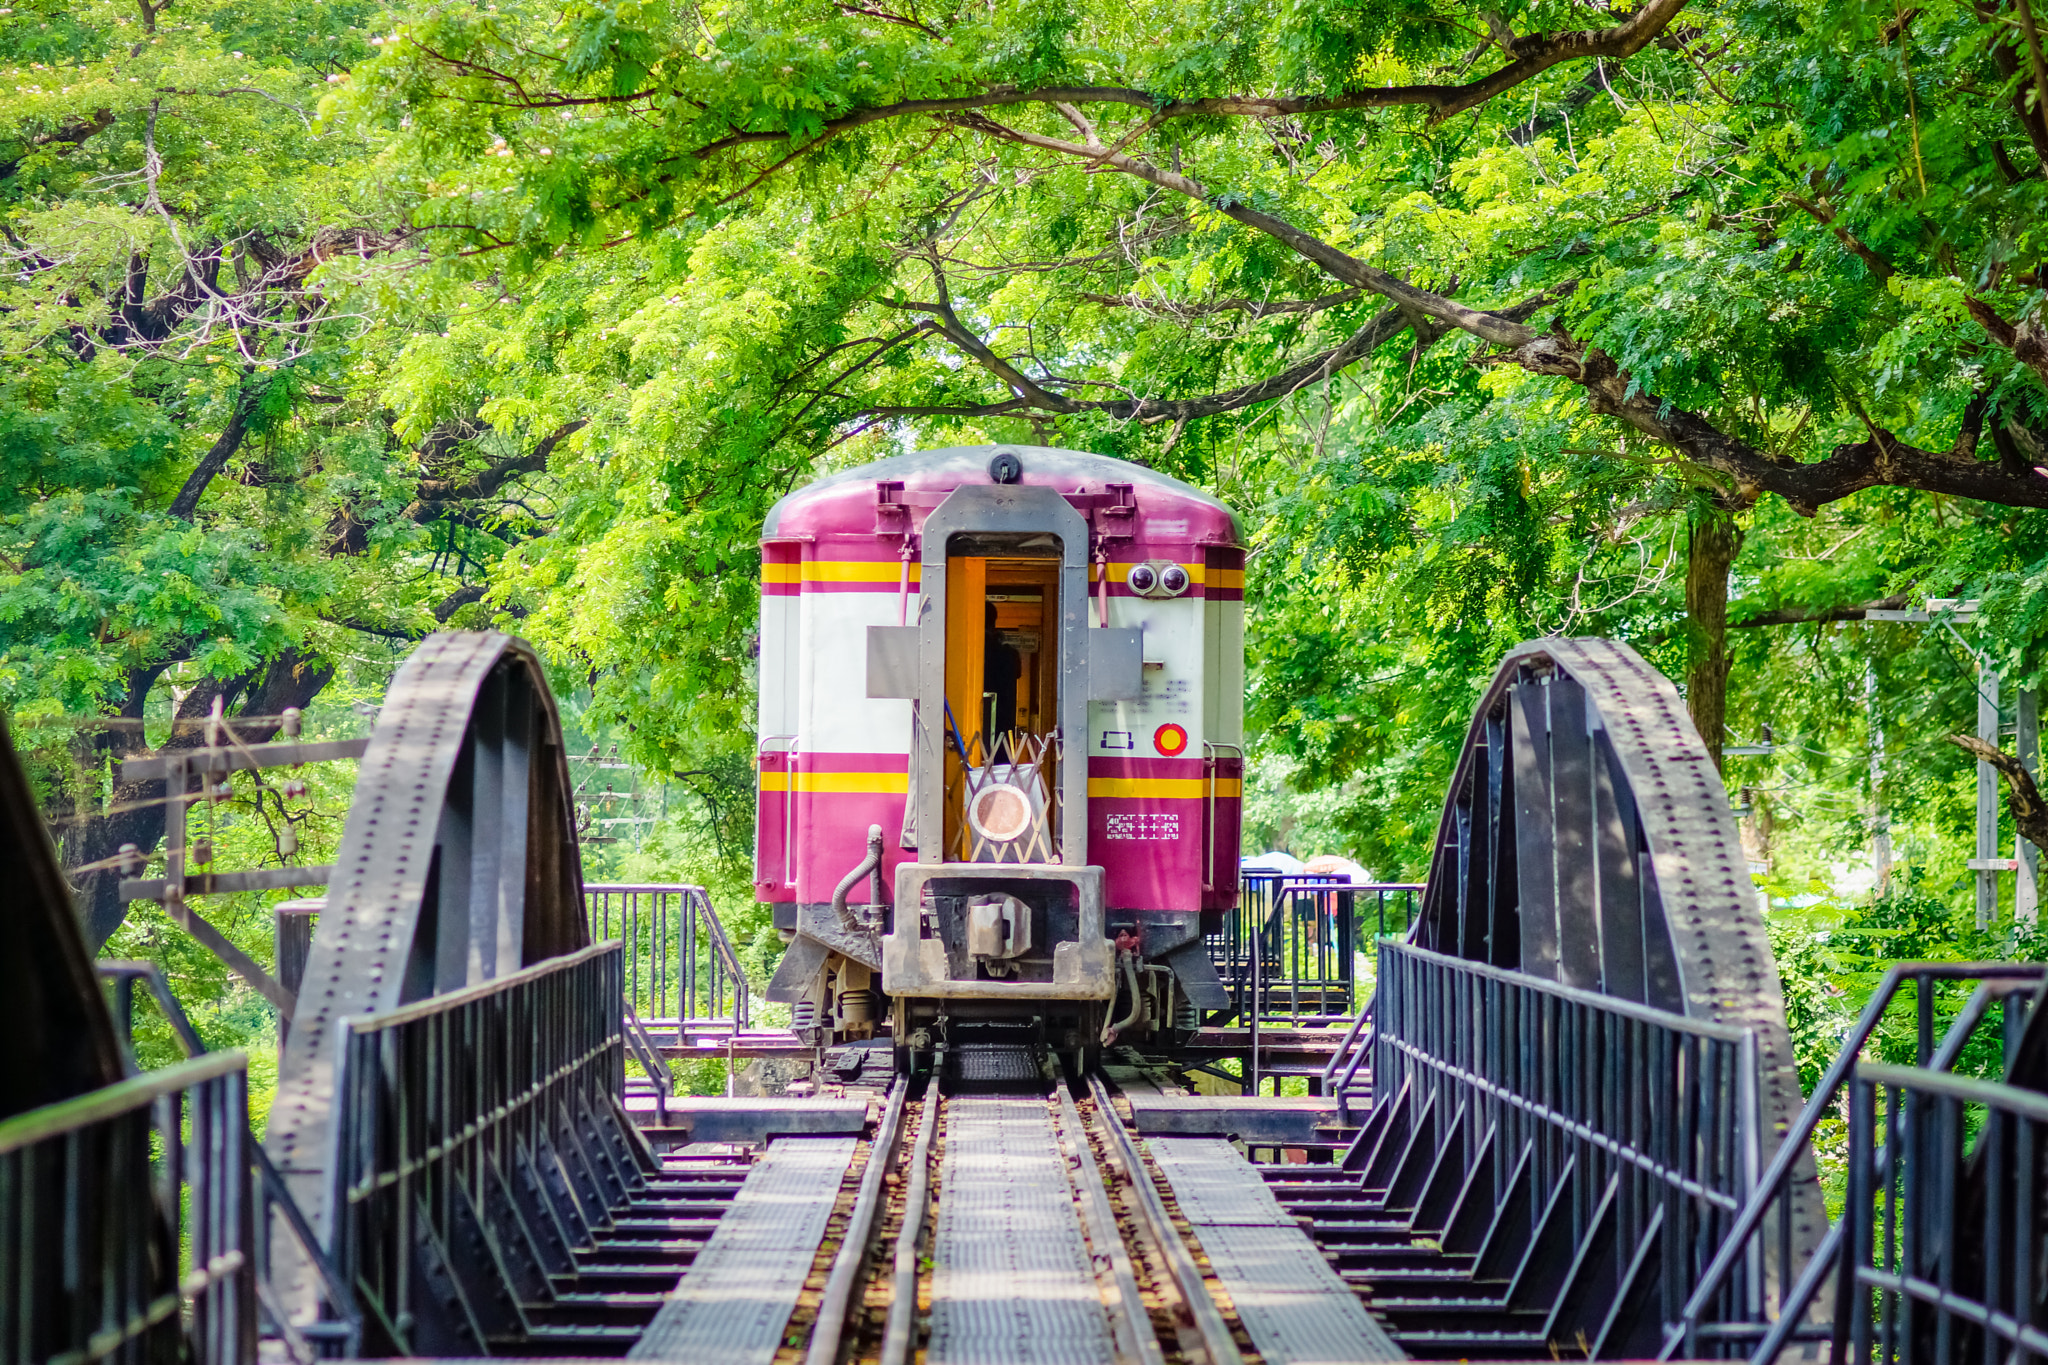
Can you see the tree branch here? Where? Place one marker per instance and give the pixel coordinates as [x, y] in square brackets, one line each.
[1360, 344]
[432, 497]
[1610, 390]
[1532, 55]
[2022, 797]
[1256, 308]
[1823, 213]
[2027, 340]
[71, 132]
[1792, 616]
[186, 505]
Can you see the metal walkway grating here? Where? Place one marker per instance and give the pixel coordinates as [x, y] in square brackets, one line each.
[1013, 1282]
[1295, 1308]
[733, 1305]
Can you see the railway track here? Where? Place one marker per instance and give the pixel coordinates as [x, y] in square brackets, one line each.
[1009, 1220]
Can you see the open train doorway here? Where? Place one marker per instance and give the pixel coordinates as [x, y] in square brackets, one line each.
[1002, 753]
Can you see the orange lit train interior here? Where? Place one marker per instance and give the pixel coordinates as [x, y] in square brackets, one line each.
[1002, 685]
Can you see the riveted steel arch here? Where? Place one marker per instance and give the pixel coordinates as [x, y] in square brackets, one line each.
[458, 864]
[60, 1039]
[1588, 840]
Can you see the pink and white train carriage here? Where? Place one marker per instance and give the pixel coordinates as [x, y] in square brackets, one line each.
[1001, 714]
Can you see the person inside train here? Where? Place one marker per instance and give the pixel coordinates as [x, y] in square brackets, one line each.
[1000, 668]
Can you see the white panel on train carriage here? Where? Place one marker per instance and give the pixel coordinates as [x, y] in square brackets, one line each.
[1173, 692]
[835, 714]
[778, 667]
[1213, 702]
[1227, 681]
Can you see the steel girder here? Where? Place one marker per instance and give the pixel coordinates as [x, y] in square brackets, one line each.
[1587, 840]
[458, 865]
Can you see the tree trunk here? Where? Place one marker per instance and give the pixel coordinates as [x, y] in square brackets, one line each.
[1715, 542]
[138, 813]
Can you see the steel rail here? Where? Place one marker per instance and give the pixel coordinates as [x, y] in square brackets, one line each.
[828, 1333]
[899, 1334]
[1129, 1324]
[1180, 1262]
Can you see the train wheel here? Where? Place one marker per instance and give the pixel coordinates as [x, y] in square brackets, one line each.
[899, 1037]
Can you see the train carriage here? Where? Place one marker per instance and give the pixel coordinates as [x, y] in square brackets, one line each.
[1001, 709]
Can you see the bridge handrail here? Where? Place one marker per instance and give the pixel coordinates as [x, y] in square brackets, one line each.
[360, 1025]
[723, 943]
[1352, 1051]
[1612, 1004]
[484, 1095]
[107, 1227]
[1922, 1189]
[692, 900]
[1574, 1098]
[274, 1202]
[1305, 955]
[1771, 1185]
[112, 1101]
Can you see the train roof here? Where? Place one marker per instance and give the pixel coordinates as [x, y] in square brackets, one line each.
[843, 503]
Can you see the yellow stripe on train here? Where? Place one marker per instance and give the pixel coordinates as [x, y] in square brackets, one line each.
[888, 571]
[865, 784]
[1113, 788]
[1162, 788]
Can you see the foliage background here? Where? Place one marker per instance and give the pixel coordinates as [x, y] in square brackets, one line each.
[522, 315]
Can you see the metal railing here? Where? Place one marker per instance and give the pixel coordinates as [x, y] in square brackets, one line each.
[479, 1140]
[680, 964]
[130, 1231]
[1340, 1074]
[1309, 931]
[1945, 1240]
[1756, 1297]
[275, 1209]
[1628, 1136]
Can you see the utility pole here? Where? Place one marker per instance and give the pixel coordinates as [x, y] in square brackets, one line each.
[1987, 862]
[1946, 611]
[2026, 899]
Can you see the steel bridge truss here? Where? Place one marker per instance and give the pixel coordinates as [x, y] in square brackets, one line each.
[1579, 1123]
[1548, 1169]
[481, 1147]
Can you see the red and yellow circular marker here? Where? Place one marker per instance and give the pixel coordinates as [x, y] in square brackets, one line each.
[1170, 739]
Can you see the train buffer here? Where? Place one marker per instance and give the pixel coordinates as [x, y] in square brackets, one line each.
[1566, 1124]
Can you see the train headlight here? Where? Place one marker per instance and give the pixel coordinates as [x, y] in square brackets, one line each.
[1158, 578]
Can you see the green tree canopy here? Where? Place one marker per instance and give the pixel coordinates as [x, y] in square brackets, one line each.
[1700, 324]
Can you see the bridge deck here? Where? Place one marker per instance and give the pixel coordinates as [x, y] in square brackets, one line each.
[1012, 1279]
[1293, 1305]
[735, 1302]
